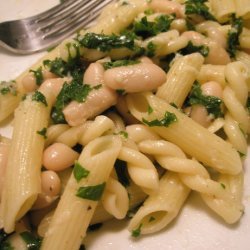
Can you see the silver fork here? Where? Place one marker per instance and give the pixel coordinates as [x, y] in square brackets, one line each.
[47, 29]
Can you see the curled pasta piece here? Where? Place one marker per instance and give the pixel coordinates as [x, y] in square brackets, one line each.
[235, 97]
[115, 199]
[160, 209]
[196, 177]
[141, 170]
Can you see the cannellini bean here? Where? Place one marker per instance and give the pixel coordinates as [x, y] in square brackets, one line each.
[94, 74]
[51, 184]
[58, 157]
[97, 101]
[135, 78]
[29, 80]
[217, 54]
[212, 88]
[167, 7]
[52, 87]
[200, 115]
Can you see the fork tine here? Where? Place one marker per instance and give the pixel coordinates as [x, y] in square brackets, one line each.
[77, 20]
[68, 12]
[56, 9]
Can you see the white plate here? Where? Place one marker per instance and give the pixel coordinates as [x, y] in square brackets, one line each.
[196, 228]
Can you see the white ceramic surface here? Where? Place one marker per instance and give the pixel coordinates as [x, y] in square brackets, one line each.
[196, 228]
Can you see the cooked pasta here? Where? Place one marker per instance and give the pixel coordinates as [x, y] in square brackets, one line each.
[126, 119]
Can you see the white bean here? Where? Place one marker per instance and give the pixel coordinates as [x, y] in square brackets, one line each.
[135, 78]
[94, 74]
[97, 101]
[59, 156]
[200, 115]
[51, 184]
[212, 88]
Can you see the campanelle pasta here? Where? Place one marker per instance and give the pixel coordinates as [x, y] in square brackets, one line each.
[149, 104]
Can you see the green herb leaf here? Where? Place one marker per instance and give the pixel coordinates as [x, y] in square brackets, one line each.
[223, 185]
[104, 42]
[191, 48]
[150, 50]
[145, 28]
[211, 103]
[8, 88]
[39, 97]
[150, 110]
[38, 75]
[43, 132]
[122, 172]
[151, 219]
[93, 193]
[168, 119]
[233, 35]
[80, 172]
[137, 232]
[119, 63]
[198, 7]
[33, 243]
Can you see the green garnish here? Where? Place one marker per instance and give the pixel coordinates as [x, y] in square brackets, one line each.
[38, 75]
[80, 172]
[8, 87]
[150, 110]
[242, 155]
[43, 132]
[76, 91]
[124, 3]
[168, 119]
[119, 63]
[93, 193]
[145, 28]
[123, 133]
[191, 48]
[33, 243]
[211, 103]
[198, 7]
[223, 185]
[233, 35]
[149, 12]
[150, 50]
[105, 43]
[122, 172]
[137, 232]
[39, 97]
[151, 219]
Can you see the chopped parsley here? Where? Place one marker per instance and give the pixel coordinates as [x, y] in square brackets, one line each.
[149, 12]
[233, 35]
[191, 48]
[39, 97]
[8, 88]
[38, 75]
[150, 110]
[211, 103]
[93, 193]
[105, 43]
[74, 91]
[33, 243]
[123, 134]
[242, 155]
[168, 119]
[151, 219]
[223, 185]
[43, 132]
[145, 28]
[198, 7]
[137, 232]
[80, 172]
[119, 63]
[150, 49]
[122, 172]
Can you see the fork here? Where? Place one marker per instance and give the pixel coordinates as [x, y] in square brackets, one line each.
[47, 29]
